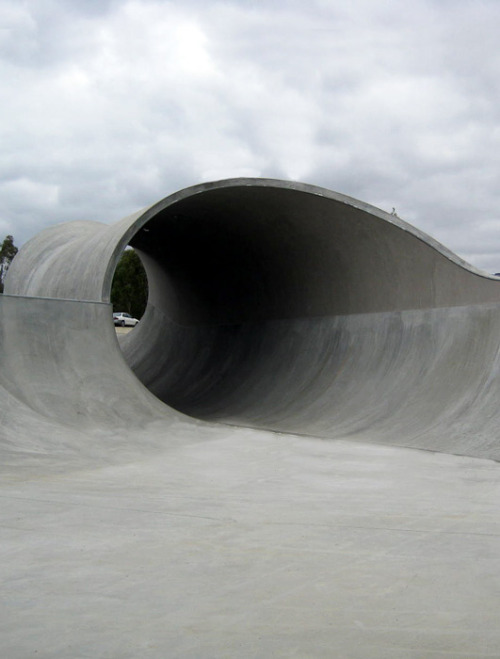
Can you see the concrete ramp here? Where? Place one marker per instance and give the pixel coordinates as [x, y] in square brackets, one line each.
[145, 508]
[272, 305]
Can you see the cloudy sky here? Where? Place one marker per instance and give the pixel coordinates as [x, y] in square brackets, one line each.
[109, 105]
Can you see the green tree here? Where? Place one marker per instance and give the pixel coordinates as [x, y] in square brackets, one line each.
[7, 252]
[129, 290]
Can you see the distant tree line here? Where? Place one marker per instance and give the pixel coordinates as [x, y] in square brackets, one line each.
[7, 252]
[129, 290]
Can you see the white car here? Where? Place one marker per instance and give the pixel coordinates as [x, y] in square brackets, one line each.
[121, 318]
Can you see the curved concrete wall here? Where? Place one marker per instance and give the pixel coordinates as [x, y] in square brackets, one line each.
[285, 306]
[247, 248]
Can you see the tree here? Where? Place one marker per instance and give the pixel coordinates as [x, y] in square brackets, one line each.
[7, 252]
[129, 290]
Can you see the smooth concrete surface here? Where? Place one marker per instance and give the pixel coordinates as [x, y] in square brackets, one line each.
[282, 306]
[248, 249]
[427, 379]
[294, 454]
[251, 544]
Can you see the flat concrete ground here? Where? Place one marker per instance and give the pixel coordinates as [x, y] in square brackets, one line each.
[253, 544]
[123, 330]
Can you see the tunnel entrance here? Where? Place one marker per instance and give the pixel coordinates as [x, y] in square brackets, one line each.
[247, 284]
[230, 275]
[129, 288]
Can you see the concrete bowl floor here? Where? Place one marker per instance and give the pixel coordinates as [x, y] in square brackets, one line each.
[244, 543]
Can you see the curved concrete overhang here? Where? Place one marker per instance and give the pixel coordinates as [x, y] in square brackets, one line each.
[285, 306]
[246, 248]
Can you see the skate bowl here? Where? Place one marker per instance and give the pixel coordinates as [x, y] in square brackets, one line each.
[272, 305]
[292, 455]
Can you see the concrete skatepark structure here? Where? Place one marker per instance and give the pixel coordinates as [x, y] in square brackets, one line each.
[239, 476]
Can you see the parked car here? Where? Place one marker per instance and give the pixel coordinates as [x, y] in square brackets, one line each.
[121, 318]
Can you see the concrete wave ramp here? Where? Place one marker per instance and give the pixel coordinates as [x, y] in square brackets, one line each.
[146, 508]
[272, 305]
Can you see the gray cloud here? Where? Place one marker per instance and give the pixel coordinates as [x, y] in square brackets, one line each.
[109, 106]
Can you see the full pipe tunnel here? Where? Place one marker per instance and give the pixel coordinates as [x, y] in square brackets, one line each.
[271, 304]
[251, 288]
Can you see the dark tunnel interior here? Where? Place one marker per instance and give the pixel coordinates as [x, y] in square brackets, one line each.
[231, 259]
[245, 288]
[229, 274]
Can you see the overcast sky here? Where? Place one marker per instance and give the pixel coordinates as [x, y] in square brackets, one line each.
[109, 105]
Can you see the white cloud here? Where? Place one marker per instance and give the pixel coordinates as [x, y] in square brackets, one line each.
[30, 193]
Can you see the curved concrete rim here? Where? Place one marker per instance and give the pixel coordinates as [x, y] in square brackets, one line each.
[276, 305]
[138, 220]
